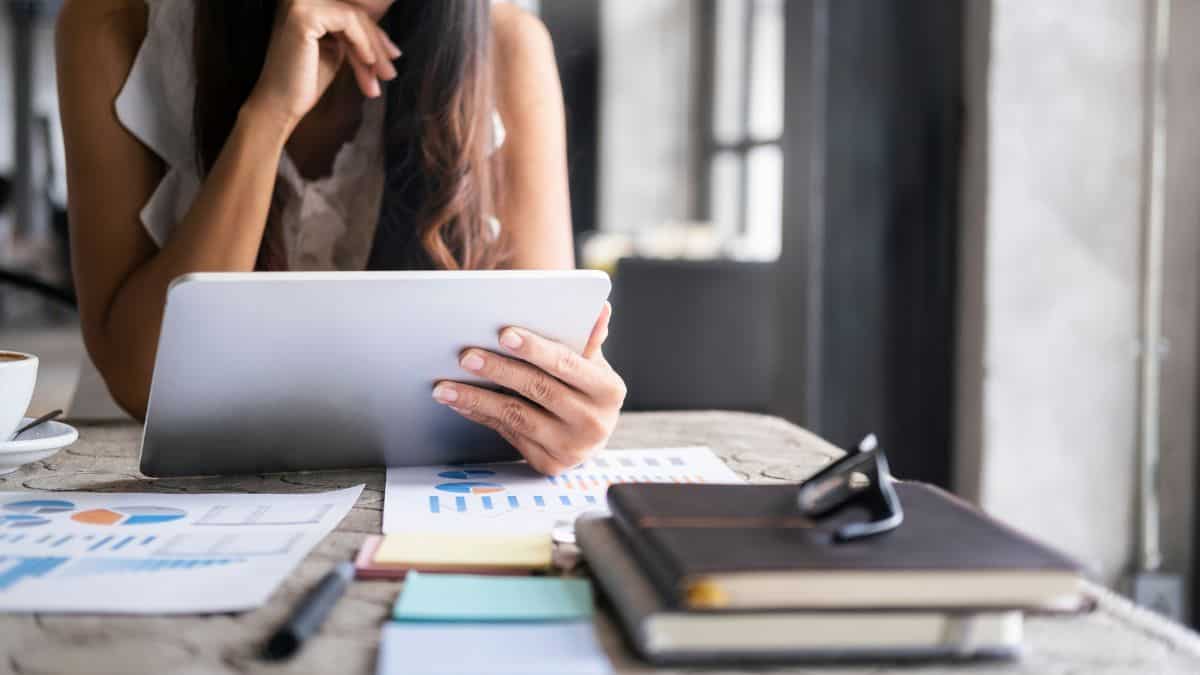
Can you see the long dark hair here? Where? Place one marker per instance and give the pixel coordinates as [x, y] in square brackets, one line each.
[441, 185]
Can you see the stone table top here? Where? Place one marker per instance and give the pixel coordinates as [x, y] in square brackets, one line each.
[1116, 638]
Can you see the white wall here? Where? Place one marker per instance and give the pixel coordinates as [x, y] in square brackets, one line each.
[1060, 272]
[1050, 276]
[646, 113]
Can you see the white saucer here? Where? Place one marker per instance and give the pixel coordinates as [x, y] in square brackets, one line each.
[36, 444]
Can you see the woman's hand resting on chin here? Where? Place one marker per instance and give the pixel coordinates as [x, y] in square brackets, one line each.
[311, 41]
[567, 403]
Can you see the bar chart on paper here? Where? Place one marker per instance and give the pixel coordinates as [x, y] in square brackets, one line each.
[156, 553]
[511, 497]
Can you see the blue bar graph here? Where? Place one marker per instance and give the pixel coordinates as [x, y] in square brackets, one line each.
[100, 543]
[79, 542]
[91, 566]
[499, 497]
[26, 567]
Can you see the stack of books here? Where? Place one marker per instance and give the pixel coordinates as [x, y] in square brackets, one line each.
[735, 573]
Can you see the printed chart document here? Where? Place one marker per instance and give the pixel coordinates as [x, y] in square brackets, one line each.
[512, 498]
[156, 553]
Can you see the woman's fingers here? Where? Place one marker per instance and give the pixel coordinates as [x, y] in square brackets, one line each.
[393, 49]
[512, 414]
[366, 53]
[563, 405]
[599, 332]
[514, 419]
[365, 76]
[592, 377]
[530, 382]
[331, 16]
[383, 58]
[538, 457]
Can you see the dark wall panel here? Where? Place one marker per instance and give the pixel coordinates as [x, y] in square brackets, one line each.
[874, 111]
[575, 27]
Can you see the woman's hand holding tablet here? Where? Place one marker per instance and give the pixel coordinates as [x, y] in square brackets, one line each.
[565, 404]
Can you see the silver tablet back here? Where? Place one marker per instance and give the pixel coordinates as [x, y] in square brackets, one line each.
[270, 372]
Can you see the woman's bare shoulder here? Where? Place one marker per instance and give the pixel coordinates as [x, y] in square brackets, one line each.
[521, 39]
[114, 26]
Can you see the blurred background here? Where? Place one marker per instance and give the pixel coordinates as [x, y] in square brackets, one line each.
[971, 227]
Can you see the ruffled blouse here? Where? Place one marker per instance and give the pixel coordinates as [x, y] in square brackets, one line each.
[327, 223]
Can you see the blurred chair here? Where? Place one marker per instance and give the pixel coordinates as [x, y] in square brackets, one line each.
[693, 334]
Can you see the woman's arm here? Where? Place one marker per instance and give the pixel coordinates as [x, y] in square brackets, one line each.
[535, 209]
[121, 277]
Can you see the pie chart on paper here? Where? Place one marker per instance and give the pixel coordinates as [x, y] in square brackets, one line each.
[465, 474]
[471, 488]
[40, 506]
[129, 515]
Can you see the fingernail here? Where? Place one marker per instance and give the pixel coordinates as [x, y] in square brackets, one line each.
[472, 361]
[511, 339]
[445, 394]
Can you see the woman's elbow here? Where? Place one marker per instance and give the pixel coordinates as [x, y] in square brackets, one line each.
[128, 390]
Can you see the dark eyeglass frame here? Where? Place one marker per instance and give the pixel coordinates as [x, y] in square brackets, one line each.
[861, 478]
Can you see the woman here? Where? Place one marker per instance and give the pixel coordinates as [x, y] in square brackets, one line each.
[235, 135]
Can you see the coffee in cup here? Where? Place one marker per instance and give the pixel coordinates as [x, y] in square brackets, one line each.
[18, 373]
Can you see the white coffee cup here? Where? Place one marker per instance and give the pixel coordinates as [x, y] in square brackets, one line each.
[18, 373]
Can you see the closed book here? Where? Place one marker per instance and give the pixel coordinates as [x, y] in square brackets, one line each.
[750, 547]
[666, 635]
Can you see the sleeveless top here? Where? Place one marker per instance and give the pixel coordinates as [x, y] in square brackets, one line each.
[326, 224]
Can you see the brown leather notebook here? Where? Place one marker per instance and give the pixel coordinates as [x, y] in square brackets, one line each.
[717, 547]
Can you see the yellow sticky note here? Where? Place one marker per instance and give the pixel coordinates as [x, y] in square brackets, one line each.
[453, 552]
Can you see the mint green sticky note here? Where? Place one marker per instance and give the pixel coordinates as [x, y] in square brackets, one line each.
[467, 597]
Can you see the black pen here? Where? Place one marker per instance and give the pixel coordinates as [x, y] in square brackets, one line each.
[310, 613]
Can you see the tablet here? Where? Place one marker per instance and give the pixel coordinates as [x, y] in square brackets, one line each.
[291, 371]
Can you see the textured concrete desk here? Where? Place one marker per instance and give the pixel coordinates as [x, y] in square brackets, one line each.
[1116, 639]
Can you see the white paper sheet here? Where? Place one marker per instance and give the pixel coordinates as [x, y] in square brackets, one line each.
[156, 553]
[513, 498]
